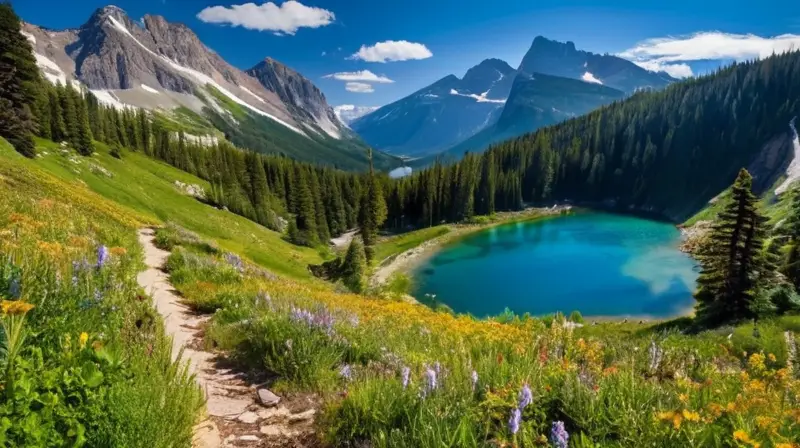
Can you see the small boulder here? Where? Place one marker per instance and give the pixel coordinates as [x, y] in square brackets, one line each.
[248, 417]
[267, 398]
[249, 438]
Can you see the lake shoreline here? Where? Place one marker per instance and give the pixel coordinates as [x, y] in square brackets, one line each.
[406, 261]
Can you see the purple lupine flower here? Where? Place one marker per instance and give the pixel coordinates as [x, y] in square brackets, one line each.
[234, 260]
[430, 381]
[514, 421]
[302, 316]
[525, 397]
[102, 256]
[346, 372]
[474, 378]
[558, 435]
[264, 298]
[406, 376]
[323, 319]
[437, 367]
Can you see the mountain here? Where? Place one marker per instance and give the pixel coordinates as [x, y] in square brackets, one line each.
[563, 59]
[441, 115]
[158, 65]
[347, 113]
[536, 101]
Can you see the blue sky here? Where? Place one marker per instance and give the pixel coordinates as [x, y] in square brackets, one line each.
[319, 37]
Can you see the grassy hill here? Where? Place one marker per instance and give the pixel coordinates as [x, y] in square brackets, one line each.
[147, 187]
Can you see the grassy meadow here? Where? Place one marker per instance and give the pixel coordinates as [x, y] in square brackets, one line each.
[84, 360]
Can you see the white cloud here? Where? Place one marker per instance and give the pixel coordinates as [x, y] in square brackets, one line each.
[358, 87]
[362, 76]
[589, 77]
[392, 50]
[679, 70]
[284, 19]
[670, 53]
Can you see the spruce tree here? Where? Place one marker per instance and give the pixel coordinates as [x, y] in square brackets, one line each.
[373, 211]
[354, 267]
[305, 213]
[734, 266]
[83, 141]
[19, 84]
[58, 129]
[790, 265]
[323, 231]
[66, 95]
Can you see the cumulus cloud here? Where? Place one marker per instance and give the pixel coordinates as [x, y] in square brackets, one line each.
[392, 50]
[284, 19]
[359, 76]
[670, 54]
[358, 87]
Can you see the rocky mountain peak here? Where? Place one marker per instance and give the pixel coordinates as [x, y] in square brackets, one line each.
[491, 75]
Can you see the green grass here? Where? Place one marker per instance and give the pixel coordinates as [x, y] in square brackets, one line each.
[397, 244]
[147, 187]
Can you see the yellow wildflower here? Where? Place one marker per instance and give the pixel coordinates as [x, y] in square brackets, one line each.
[118, 251]
[15, 307]
[741, 436]
[683, 398]
[83, 338]
[772, 357]
[691, 415]
[756, 363]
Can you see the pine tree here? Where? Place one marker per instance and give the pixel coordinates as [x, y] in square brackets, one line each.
[58, 129]
[373, 211]
[734, 267]
[305, 214]
[68, 110]
[19, 84]
[83, 141]
[259, 189]
[354, 267]
[323, 232]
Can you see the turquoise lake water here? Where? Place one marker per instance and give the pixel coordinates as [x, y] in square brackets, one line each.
[599, 264]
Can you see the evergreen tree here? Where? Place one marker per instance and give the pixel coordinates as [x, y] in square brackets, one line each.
[323, 231]
[373, 211]
[354, 267]
[58, 129]
[19, 84]
[734, 266]
[305, 214]
[83, 142]
[66, 96]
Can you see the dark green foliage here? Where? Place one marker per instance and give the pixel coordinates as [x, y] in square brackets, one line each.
[305, 212]
[19, 84]
[734, 266]
[83, 141]
[354, 267]
[116, 151]
[373, 211]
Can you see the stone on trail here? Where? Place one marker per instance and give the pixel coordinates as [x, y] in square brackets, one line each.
[248, 417]
[267, 398]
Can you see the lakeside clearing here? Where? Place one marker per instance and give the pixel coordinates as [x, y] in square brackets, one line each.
[401, 253]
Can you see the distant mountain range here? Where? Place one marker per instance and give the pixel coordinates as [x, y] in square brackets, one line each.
[158, 65]
[554, 82]
[441, 115]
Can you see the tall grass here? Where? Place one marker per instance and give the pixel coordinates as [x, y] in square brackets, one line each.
[95, 368]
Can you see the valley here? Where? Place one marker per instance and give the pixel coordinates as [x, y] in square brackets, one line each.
[198, 255]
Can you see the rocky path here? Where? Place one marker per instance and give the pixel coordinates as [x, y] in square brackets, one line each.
[239, 413]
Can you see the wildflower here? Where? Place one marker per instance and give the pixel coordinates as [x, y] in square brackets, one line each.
[474, 377]
[98, 295]
[683, 398]
[15, 307]
[346, 372]
[772, 357]
[558, 435]
[691, 415]
[514, 421]
[741, 436]
[525, 397]
[405, 374]
[83, 338]
[656, 353]
[791, 350]
[264, 298]
[234, 260]
[102, 256]
[430, 381]
[289, 344]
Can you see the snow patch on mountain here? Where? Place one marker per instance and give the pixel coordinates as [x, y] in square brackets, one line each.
[479, 98]
[50, 69]
[201, 78]
[793, 171]
[149, 89]
[588, 77]
[248, 91]
[30, 37]
[108, 98]
[329, 127]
